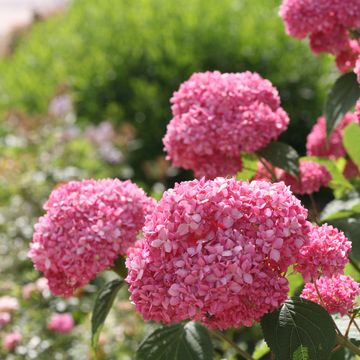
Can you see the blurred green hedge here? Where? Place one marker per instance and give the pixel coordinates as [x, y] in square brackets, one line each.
[122, 59]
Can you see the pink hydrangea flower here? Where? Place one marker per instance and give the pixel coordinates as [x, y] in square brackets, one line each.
[11, 340]
[5, 318]
[216, 116]
[61, 323]
[88, 224]
[312, 177]
[214, 251]
[325, 255]
[8, 304]
[357, 111]
[338, 293]
[327, 23]
[357, 69]
[267, 172]
[318, 145]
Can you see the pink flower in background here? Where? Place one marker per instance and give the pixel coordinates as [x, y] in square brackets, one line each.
[8, 304]
[61, 323]
[338, 293]
[216, 116]
[42, 284]
[312, 177]
[11, 340]
[318, 145]
[327, 23]
[266, 172]
[357, 69]
[28, 290]
[357, 111]
[87, 225]
[5, 318]
[325, 255]
[214, 250]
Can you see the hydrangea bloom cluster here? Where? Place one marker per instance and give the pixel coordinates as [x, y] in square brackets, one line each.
[325, 255]
[318, 145]
[61, 323]
[327, 23]
[87, 225]
[216, 116]
[214, 251]
[338, 293]
[11, 340]
[357, 69]
[312, 177]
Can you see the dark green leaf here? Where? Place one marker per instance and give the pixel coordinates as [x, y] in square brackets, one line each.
[282, 156]
[351, 227]
[341, 99]
[249, 167]
[102, 306]
[184, 341]
[351, 141]
[299, 330]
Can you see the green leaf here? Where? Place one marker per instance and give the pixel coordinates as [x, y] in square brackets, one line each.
[184, 341]
[341, 99]
[340, 208]
[351, 141]
[282, 156]
[338, 182]
[351, 227]
[249, 167]
[299, 330]
[102, 306]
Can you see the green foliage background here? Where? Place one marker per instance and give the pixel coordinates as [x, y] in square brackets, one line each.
[122, 60]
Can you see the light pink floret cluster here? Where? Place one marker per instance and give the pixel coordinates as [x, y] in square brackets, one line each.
[318, 145]
[325, 255]
[214, 251]
[61, 323]
[87, 225]
[312, 177]
[357, 110]
[216, 116]
[327, 23]
[338, 293]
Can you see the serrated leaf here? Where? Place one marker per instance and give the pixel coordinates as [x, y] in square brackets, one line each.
[299, 330]
[282, 156]
[351, 141]
[341, 99]
[351, 227]
[183, 341]
[102, 306]
[249, 162]
[338, 182]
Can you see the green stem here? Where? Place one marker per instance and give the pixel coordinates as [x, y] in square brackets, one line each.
[341, 340]
[240, 351]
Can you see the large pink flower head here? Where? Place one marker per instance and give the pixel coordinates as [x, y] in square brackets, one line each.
[312, 177]
[87, 225]
[61, 323]
[214, 250]
[338, 293]
[325, 255]
[216, 116]
[327, 23]
[317, 143]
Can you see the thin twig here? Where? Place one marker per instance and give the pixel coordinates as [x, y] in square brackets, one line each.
[352, 318]
[222, 336]
[269, 169]
[314, 208]
[341, 340]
